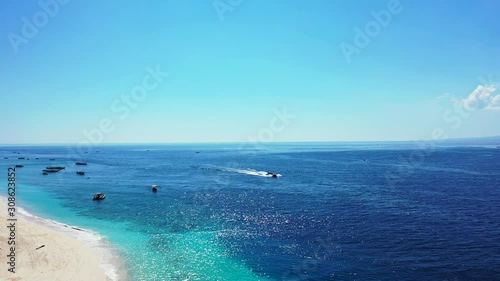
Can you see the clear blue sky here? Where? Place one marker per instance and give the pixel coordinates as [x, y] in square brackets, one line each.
[227, 75]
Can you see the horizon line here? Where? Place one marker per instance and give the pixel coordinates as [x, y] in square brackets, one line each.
[242, 142]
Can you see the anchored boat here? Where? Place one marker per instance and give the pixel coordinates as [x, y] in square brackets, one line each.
[56, 167]
[99, 196]
[50, 171]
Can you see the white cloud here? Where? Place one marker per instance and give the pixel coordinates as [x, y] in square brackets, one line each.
[482, 98]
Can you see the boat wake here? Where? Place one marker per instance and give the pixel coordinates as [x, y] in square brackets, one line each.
[251, 172]
[246, 171]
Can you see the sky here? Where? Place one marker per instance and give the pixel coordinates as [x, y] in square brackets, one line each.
[74, 71]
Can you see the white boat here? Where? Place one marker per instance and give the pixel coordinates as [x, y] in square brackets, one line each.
[99, 196]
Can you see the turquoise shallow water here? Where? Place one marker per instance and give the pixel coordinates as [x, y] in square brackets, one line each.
[150, 255]
[333, 215]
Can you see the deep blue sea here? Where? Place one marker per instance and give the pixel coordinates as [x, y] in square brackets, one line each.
[338, 211]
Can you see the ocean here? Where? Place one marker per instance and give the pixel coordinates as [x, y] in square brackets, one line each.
[336, 211]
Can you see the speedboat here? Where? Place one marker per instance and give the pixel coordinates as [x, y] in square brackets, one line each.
[81, 173]
[272, 174]
[99, 196]
[81, 163]
[154, 188]
[19, 166]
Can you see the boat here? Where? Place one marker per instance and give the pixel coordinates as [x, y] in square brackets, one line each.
[56, 167]
[52, 159]
[19, 166]
[272, 174]
[81, 163]
[50, 171]
[81, 173]
[21, 158]
[154, 188]
[99, 196]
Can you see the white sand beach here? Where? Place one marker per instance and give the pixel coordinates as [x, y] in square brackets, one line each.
[63, 256]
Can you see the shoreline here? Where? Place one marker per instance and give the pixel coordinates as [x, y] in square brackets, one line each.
[49, 250]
